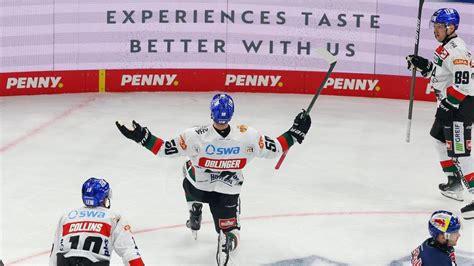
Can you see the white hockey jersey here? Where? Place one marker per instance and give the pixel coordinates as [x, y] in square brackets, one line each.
[94, 233]
[452, 75]
[215, 163]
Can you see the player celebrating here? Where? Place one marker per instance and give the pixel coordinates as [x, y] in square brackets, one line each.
[213, 173]
[87, 236]
[439, 248]
[451, 79]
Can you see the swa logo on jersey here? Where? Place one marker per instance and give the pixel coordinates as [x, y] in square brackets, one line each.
[212, 150]
[83, 214]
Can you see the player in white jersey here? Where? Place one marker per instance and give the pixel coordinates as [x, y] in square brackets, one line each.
[217, 154]
[451, 78]
[88, 235]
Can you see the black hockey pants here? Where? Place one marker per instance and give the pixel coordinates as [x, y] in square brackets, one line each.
[225, 208]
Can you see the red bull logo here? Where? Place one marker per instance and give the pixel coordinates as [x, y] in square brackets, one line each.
[440, 222]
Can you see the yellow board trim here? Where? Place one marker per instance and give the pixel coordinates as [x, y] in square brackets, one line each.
[101, 80]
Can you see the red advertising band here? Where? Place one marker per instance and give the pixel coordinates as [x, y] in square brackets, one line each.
[262, 81]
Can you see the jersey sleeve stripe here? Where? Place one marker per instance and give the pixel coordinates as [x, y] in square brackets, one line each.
[286, 141]
[454, 95]
[154, 145]
[136, 262]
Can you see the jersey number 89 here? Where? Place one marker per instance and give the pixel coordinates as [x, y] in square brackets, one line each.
[461, 77]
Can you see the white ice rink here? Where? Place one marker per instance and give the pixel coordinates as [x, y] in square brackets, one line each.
[354, 193]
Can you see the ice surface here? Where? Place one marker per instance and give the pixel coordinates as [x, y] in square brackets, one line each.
[354, 193]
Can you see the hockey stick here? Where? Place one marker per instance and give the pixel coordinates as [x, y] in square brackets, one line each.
[413, 74]
[331, 60]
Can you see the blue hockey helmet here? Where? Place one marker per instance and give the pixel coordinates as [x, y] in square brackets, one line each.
[222, 108]
[446, 16]
[443, 222]
[96, 192]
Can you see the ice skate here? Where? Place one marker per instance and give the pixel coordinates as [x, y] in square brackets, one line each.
[227, 242]
[453, 188]
[467, 211]
[195, 216]
[223, 249]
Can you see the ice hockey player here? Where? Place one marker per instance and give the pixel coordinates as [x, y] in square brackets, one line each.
[88, 235]
[438, 250]
[451, 78]
[217, 153]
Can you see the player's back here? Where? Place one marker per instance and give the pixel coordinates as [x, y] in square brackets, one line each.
[87, 232]
[429, 254]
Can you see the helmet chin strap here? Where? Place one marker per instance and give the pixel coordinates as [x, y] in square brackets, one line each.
[107, 203]
[447, 235]
[448, 36]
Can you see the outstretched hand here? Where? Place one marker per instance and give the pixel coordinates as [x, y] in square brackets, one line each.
[137, 133]
[300, 126]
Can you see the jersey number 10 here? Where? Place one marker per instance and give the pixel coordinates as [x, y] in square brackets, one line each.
[87, 243]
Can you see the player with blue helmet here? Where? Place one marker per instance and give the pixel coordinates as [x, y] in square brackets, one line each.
[438, 250]
[222, 108]
[445, 22]
[452, 80]
[217, 154]
[96, 192]
[87, 236]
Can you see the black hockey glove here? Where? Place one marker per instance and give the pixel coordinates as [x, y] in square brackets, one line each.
[138, 134]
[300, 126]
[423, 65]
[445, 112]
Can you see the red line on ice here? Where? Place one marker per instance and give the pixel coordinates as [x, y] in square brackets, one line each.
[41, 127]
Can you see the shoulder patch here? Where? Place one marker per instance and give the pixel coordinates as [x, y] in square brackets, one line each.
[261, 144]
[242, 128]
[127, 228]
[182, 142]
[442, 52]
[460, 61]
